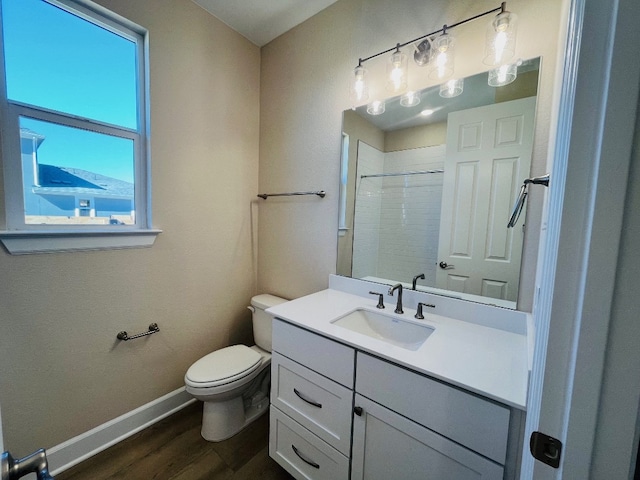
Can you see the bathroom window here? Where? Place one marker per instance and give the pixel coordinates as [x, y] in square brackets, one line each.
[74, 109]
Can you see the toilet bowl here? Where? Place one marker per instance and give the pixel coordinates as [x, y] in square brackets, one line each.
[234, 382]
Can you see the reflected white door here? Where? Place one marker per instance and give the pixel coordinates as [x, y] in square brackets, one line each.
[488, 156]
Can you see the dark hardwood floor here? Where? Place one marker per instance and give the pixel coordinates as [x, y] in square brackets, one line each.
[173, 449]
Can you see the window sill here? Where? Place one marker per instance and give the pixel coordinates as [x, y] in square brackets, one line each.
[37, 241]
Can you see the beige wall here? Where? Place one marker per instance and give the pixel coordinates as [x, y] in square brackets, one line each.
[416, 137]
[304, 85]
[63, 370]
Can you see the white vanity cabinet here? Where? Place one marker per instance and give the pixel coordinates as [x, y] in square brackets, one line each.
[311, 403]
[409, 426]
[340, 413]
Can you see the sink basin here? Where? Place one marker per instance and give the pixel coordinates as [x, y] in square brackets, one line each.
[388, 328]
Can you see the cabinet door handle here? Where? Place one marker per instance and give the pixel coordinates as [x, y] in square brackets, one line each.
[309, 462]
[310, 402]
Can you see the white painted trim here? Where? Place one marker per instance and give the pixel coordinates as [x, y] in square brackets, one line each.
[562, 116]
[576, 294]
[24, 242]
[73, 451]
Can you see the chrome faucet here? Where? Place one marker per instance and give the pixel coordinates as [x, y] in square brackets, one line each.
[415, 280]
[397, 286]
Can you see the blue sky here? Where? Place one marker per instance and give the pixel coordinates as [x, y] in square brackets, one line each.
[62, 62]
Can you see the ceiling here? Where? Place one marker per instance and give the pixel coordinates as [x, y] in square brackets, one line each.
[260, 21]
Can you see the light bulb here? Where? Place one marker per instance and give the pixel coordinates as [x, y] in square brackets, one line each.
[397, 69]
[452, 88]
[376, 107]
[500, 44]
[503, 75]
[359, 91]
[442, 57]
[410, 99]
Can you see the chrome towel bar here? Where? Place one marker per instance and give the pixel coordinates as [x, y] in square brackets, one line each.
[320, 193]
[153, 328]
[399, 174]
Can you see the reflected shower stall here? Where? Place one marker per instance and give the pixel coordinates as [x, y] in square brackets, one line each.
[397, 213]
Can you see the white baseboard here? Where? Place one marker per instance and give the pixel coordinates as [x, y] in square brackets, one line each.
[73, 451]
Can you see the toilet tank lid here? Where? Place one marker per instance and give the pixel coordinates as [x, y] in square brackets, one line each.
[266, 300]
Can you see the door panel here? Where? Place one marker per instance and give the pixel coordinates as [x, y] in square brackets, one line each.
[488, 155]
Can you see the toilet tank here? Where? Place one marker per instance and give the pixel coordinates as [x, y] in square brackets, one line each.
[262, 320]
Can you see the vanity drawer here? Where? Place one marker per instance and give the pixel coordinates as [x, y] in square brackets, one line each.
[303, 454]
[328, 358]
[314, 401]
[478, 424]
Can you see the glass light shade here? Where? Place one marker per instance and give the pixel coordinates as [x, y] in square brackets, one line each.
[500, 43]
[503, 75]
[359, 90]
[442, 57]
[376, 107]
[410, 99]
[397, 72]
[452, 88]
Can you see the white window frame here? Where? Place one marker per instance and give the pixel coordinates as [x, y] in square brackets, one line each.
[21, 238]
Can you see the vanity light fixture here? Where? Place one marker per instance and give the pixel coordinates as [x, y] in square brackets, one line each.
[397, 72]
[435, 49]
[452, 88]
[410, 99]
[500, 44]
[359, 91]
[442, 56]
[376, 107]
[503, 75]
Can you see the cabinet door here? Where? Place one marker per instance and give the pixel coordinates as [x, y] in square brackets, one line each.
[469, 420]
[387, 445]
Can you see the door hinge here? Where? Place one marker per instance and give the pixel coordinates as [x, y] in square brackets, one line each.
[546, 449]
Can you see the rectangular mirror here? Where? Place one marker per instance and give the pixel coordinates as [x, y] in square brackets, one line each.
[427, 190]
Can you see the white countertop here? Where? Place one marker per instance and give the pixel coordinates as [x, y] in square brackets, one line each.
[489, 361]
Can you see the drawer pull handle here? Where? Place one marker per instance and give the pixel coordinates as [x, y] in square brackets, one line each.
[309, 462]
[310, 402]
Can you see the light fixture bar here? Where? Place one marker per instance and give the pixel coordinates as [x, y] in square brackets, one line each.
[501, 8]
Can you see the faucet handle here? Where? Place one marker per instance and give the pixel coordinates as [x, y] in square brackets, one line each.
[419, 314]
[380, 299]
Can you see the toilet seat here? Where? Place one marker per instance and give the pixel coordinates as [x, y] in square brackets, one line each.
[223, 366]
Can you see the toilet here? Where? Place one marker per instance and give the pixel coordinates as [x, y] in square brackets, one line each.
[234, 382]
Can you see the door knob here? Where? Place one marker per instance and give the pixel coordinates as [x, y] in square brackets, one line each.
[445, 266]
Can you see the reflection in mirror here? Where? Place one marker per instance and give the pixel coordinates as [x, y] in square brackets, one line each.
[428, 189]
